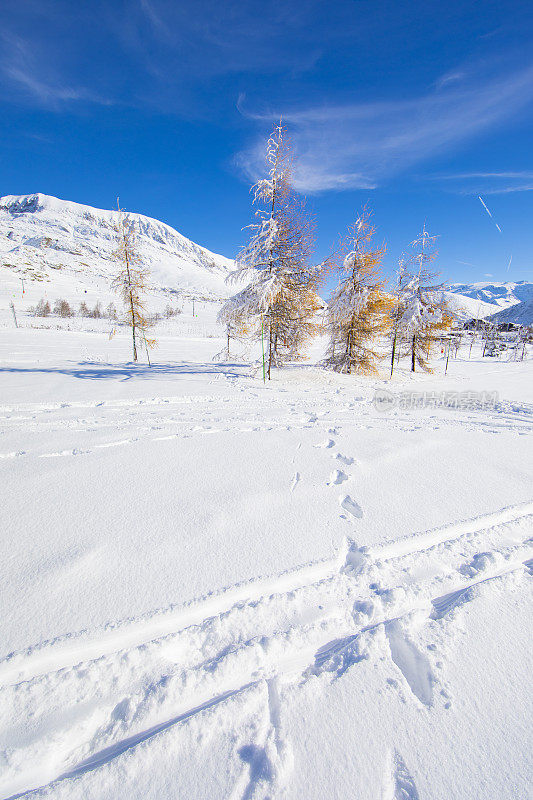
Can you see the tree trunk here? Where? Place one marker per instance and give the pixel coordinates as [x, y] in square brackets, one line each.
[413, 354]
[270, 348]
[393, 353]
[131, 297]
[133, 326]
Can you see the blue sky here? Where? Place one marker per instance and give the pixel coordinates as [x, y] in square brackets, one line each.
[413, 108]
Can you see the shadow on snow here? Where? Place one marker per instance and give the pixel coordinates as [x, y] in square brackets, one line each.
[96, 371]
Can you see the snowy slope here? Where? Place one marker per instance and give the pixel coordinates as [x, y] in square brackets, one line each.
[511, 301]
[520, 313]
[63, 249]
[465, 307]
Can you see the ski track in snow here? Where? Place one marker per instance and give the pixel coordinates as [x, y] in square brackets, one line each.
[110, 691]
[159, 419]
[141, 678]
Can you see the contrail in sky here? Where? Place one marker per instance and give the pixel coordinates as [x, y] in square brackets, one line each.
[509, 264]
[488, 212]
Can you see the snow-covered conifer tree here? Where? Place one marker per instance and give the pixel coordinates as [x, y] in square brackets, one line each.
[423, 313]
[131, 282]
[279, 300]
[400, 295]
[358, 313]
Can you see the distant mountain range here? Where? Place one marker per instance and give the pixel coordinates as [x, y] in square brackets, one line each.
[64, 249]
[500, 302]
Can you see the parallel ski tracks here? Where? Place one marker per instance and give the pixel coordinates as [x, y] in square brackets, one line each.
[81, 647]
[297, 648]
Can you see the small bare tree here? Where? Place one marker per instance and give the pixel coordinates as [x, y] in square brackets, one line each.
[43, 309]
[62, 308]
[131, 282]
[111, 311]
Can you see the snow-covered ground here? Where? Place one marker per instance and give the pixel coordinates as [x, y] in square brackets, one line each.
[216, 588]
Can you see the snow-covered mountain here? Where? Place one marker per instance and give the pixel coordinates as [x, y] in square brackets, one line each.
[506, 302]
[63, 249]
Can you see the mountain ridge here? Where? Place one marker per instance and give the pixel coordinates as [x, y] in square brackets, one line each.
[45, 240]
[500, 301]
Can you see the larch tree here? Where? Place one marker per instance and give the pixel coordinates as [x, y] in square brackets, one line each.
[131, 283]
[359, 311]
[279, 301]
[400, 297]
[424, 313]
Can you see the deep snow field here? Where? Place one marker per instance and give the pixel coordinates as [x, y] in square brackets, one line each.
[215, 588]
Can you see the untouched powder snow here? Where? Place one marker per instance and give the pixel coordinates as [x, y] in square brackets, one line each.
[216, 588]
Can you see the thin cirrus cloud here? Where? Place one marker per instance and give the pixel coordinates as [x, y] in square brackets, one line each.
[50, 93]
[361, 146]
[24, 71]
[490, 182]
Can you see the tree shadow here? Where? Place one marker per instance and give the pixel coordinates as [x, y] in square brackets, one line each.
[94, 370]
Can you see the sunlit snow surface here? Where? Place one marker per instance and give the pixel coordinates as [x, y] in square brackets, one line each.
[213, 588]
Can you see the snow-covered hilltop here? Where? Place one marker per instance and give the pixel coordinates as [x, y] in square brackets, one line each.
[511, 302]
[61, 248]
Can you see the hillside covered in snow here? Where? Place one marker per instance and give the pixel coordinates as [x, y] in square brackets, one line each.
[64, 249]
[511, 301]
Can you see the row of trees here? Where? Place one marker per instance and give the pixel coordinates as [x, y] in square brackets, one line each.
[279, 303]
[62, 308]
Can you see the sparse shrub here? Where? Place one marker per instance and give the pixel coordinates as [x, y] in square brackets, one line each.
[111, 311]
[42, 309]
[171, 312]
[83, 310]
[63, 309]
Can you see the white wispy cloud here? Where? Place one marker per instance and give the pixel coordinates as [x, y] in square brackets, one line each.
[523, 175]
[450, 77]
[23, 70]
[50, 94]
[359, 146]
[489, 182]
[522, 187]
